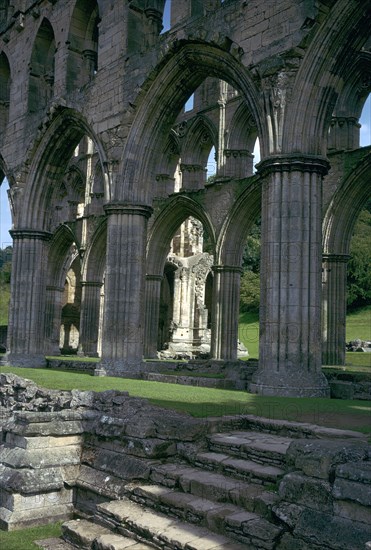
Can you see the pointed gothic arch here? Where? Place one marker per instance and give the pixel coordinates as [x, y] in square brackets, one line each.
[83, 41]
[188, 66]
[41, 77]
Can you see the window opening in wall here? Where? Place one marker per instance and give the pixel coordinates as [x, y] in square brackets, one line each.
[365, 121]
[189, 105]
[166, 25]
[211, 163]
[256, 153]
[6, 249]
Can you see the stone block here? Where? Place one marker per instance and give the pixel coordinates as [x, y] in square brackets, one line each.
[306, 491]
[320, 458]
[329, 531]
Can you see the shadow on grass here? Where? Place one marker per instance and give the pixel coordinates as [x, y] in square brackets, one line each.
[202, 402]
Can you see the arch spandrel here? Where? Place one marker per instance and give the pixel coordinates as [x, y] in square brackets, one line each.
[175, 82]
[177, 210]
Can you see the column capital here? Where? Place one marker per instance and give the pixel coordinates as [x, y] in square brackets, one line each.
[336, 258]
[227, 269]
[235, 153]
[128, 208]
[293, 162]
[36, 234]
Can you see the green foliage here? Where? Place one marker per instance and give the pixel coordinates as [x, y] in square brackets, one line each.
[251, 255]
[359, 266]
[250, 292]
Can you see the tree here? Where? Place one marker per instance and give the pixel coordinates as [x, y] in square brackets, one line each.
[359, 265]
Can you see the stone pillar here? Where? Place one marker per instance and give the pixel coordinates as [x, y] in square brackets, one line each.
[238, 163]
[26, 336]
[290, 308]
[152, 312]
[53, 312]
[344, 134]
[225, 311]
[193, 176]
[123, 331]
[89, 318]
[334, 279]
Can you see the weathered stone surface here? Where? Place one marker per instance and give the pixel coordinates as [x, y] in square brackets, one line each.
[331, 531]
[82, 533]
[320, 458]
[116, 542]
[54, 544]
[307, 491]
[27, 480]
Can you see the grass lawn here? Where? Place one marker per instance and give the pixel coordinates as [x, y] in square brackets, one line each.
[23, 539]
[358, 325]
[202, 402]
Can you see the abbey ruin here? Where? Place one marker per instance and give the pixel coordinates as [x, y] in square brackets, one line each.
[124, 246]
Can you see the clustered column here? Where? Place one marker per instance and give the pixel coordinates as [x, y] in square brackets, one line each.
[226, 299]
[26, 338]
[89, 318]
[123, 325]
[290, 314]
[334, 278]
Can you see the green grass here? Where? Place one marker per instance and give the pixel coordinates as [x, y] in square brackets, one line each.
[23, 539]
[358, 325]
[4, 303]
[248, 332]
[202, 402]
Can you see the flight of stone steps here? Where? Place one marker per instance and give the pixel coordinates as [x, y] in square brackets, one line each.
[220, 499]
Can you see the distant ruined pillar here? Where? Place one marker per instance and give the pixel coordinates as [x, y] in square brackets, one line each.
[152, 313]
[334, 306]
[225, 310]
[89, 318]
[123, 323]
[26, 337]
[290, 309]
[53, 313]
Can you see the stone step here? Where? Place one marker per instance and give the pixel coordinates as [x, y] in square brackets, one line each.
[262, 448]
[85, 534]
[54, 544]
[213, 486]
[162, 531]
[198, 510]
[247, 470]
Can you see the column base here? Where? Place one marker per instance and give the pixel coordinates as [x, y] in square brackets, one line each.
[284, 385]
[30, 361]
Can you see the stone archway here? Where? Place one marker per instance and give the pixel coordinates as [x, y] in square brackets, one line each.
[338, 224]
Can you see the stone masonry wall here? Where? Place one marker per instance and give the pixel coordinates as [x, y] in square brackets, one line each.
[61, 451]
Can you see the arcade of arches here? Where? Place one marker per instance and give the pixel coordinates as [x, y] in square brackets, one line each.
[123, 244]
